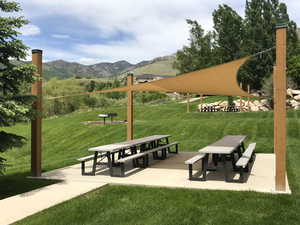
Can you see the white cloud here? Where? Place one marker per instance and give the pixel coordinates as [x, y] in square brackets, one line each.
[158, 27]
[60, 36]
[30, 30]
[88, 61]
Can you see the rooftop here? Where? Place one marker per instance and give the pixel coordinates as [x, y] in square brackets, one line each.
[150, 76]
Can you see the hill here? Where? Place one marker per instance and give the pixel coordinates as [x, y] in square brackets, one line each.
[158, 66]
[63, 69]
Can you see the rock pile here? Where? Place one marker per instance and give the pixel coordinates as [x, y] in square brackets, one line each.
[241, 105]
[293, 100]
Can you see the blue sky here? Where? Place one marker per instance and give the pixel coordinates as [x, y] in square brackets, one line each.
[93, 31]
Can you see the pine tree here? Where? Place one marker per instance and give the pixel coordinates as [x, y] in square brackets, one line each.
[199, 53]
[261, 19]
[15, 103]
[235, 37]
[228, 33]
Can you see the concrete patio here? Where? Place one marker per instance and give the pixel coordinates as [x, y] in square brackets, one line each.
[173, 173]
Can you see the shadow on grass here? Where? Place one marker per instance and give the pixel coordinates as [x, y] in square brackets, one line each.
[18, 183]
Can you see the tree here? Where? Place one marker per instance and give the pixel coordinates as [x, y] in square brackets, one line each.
[200, 52]
[261, 18]
[234, 37]
[91, 86]
[293, 70]
[228, 33]
[15, 104]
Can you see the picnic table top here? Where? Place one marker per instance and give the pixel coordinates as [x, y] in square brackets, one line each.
[126, 144]
[225, 145]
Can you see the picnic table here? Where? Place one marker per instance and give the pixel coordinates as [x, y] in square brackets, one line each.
[224, 148]
[107, 115]
[110, 151]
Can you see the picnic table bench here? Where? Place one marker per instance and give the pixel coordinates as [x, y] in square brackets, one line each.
[221, 150]
[243, 162]
[145, 156]
[128, 150]
[84, 159]
[190, 162]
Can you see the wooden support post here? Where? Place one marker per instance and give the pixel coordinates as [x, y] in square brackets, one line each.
[36, 124]
[188, 103]
[280, 108]
[241, 99]
[129, 108]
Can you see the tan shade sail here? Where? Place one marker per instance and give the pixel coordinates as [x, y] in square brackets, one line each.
[216, 80]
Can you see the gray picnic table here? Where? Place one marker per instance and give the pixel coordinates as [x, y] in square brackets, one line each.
[224, 148]
[109, 151]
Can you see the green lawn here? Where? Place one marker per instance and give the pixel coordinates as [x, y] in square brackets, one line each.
[66, 138]
[125, 205]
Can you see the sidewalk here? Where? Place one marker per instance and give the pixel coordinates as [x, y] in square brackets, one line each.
[20, 206]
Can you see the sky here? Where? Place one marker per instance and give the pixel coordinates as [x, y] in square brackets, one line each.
[94, 31]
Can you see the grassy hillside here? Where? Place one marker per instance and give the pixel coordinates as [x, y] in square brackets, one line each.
[163, 67]
[59, 87]
[66, 138]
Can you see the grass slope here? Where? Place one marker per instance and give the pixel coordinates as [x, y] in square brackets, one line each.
[164, 67]
[66, 138]
[56, 87]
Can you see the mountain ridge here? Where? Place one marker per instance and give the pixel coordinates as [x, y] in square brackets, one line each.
[64, 69]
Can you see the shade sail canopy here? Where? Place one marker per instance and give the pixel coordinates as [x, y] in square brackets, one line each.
[216, 80]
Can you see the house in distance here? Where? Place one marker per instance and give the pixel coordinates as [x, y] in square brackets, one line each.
[143, 78]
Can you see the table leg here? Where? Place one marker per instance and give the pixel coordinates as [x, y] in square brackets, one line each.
[109, 163]
[133, 150]
[233, 161]
[94, 164]
[154, 145]
[204, 167]
[215, 159]
[242, 146]
[223, 158]
[143, 147]
[239, 151]
[113, 159]
[167, 142]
